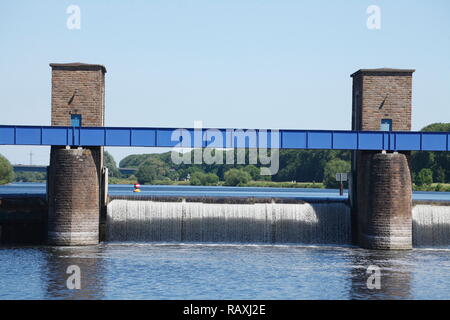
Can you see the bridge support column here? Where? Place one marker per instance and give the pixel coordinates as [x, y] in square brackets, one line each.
[73, 196]
[384, 204]
[381, 184]
[75, 175]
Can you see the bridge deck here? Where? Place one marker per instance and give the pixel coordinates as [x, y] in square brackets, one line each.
[224, 138]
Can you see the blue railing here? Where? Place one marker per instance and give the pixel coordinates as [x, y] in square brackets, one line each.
[226, 138]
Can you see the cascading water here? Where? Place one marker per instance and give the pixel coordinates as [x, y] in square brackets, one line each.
[431, 225]
[319, 223]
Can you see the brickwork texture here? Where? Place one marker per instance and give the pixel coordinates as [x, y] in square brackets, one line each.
[75, 175]
[382, 210]
[73, 198]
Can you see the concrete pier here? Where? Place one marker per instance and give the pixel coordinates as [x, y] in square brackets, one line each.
[73, 217]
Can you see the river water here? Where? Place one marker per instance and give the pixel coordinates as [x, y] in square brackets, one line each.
[210, 191]
[189, 271]
[161, 270]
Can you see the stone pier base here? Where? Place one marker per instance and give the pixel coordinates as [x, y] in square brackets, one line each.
[73, 197]
[384, 202]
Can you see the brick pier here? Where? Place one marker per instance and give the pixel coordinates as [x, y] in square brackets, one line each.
[381, 182]
[74, 208]
[75, 176]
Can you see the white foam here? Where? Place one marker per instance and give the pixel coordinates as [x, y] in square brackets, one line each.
[431, 225]
[190, 222]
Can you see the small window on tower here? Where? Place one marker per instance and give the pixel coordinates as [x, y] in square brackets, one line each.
[75, 120]
[386, 125]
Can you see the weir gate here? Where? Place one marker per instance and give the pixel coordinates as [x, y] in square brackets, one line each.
[381, 140]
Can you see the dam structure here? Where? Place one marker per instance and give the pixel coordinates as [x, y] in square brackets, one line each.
[242, 221]
[258, 221]
[379, 214]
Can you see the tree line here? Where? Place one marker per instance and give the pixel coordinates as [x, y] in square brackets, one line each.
[295, 165]
[428, 166]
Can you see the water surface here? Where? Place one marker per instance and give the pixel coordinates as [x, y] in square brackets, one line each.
[212, 271]
[216, 191]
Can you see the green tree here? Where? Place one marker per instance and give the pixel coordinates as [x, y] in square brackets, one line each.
[110, 163]
[30, 176]
[437, 127]
[331, 168]
[199, 178]
[437, 162]
[439, 176]
[135, 160]
[254, 171]
[196, 179]
[211, 179]
[6, 171]
[152, 169]
[306, 165]
[236, 177]
[424, 177]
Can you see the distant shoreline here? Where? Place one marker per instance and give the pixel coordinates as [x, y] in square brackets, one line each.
[434, 187]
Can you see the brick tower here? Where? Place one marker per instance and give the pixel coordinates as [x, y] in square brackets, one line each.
[75, 174]
[381, 182]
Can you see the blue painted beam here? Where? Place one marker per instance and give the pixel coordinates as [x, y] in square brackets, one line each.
[224, 138]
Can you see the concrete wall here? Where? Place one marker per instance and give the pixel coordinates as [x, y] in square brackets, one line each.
[23, 219]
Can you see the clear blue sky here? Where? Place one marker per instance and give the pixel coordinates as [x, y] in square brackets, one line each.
[229, 63]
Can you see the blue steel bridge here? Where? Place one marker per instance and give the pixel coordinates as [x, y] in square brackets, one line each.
[283, 139]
